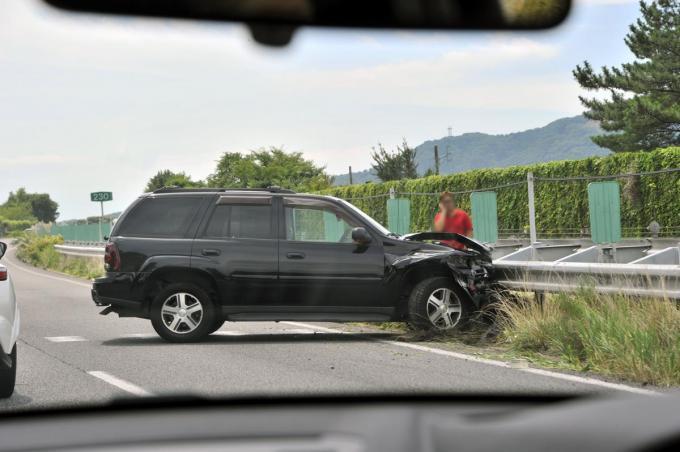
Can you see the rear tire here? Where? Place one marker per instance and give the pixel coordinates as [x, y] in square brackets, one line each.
[183, 312]
[437, 304]
[8, 375]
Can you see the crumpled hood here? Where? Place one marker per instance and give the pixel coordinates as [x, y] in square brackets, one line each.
[418, 256]
[472, 244]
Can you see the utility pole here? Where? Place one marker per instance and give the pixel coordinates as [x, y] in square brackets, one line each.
[532, 208]
[350, 174]
[101, 218]
[436, 160]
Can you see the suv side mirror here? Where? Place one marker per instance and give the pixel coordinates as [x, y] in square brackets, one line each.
[360, 236]
[3, 248]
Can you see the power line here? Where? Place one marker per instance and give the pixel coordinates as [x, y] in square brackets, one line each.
[611, 176]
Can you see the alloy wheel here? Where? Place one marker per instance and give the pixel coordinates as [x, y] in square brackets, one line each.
[444, 308]
[181, 313]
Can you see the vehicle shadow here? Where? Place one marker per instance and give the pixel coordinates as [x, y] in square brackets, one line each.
[217, 339]
[17, 400]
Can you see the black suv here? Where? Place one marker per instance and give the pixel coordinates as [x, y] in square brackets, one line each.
[189, 259]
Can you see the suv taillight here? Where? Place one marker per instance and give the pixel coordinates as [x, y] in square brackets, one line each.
[111, 258]
[3, 274]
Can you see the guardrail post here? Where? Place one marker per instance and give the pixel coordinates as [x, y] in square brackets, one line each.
[532, 208]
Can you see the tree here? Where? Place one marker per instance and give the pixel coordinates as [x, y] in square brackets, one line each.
[19, 197]
[44, 208]
[400, 164]
[21, 205]
[644, 96]
[167, 178]
[268, 167]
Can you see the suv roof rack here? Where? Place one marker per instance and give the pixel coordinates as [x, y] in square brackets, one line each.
[272, 189]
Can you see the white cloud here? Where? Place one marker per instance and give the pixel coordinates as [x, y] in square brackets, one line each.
[474, 77]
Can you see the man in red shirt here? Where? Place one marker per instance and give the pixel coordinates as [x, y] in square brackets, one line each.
[451, 219]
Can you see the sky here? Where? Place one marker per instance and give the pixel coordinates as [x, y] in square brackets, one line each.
[101, 104]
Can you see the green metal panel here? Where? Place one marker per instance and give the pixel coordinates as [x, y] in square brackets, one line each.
[604, 203]
[81, 232]
[399, 215]
[484, 216]
[334, 227]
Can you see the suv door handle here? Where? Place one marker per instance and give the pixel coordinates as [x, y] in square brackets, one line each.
[295, 255]
[210, 252]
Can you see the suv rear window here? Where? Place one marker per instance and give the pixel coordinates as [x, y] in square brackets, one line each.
[167, 216]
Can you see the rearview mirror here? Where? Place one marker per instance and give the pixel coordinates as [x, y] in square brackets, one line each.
[273, 22]
[3, 248]
[360, 236]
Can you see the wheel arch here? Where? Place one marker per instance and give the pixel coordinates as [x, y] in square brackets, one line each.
[422, 271]
[169, 275]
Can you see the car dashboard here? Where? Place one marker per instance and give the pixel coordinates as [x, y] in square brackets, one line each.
[339, 424]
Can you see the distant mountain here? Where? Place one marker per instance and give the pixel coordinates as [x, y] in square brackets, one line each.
[564, 139]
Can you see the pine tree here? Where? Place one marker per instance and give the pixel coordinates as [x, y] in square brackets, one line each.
[643, 108]
[397, 165]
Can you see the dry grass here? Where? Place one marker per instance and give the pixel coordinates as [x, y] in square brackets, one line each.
[624, 337]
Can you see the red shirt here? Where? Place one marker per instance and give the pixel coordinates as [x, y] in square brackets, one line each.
[459, 222]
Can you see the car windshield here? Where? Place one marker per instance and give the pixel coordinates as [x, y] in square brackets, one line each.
[199, 208]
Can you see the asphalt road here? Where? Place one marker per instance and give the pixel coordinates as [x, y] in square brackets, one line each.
[68, 354]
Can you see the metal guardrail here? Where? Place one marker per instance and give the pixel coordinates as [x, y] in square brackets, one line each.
[83, 250]
[636, 270]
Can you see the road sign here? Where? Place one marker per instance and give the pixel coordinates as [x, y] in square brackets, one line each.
[101, 196]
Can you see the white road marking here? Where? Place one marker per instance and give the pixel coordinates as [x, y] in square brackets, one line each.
[492, 362]
[141, 335]
[57, 278]
[229, 333]
[66, 338]
[120, 383]
[299, 331]
[309, 328]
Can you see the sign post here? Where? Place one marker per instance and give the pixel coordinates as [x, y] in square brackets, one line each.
[101, 196]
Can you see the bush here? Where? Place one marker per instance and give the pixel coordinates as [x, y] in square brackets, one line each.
[39, 251]
[616, 335]
[560, 207]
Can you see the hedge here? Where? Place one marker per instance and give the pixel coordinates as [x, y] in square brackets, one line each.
[8, 226]
[561, 207]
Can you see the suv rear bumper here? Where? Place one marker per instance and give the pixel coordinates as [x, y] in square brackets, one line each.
[104, 291]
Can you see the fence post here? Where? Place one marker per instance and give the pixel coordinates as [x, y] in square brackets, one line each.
[532, 208]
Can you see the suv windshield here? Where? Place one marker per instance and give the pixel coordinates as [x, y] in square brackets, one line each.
[367, 218]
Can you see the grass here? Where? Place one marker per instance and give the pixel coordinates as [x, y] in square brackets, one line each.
[39, 251]
[614, 335]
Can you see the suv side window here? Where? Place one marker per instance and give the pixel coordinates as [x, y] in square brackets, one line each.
[236, 220]
[163, 216]
[314, 220]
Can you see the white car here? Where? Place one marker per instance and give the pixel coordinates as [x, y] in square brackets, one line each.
[9, 331]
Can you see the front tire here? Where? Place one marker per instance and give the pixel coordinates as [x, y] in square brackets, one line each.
[183, 312]
[8, 375]
[436, 304]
